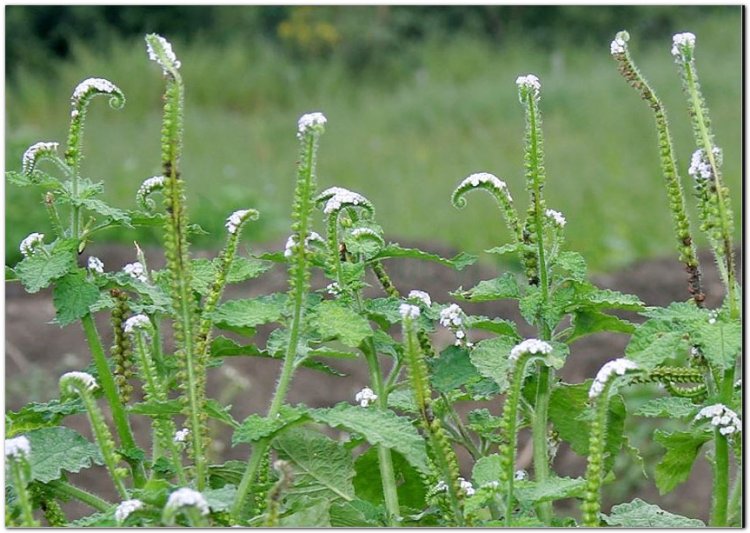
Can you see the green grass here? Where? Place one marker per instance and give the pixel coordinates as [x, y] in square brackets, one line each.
[403, 141]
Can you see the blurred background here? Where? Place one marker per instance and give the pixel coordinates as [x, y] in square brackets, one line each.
[417, 98]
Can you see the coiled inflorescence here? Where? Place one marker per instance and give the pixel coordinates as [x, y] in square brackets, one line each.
[36, 152]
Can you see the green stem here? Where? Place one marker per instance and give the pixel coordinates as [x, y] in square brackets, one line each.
[107, 382]
[19, 482]
[539, 436]
[595, 468]
[243, 490]
[721, 481]
[66, 490]
[735, 501]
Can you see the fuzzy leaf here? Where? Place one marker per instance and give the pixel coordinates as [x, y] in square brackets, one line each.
[313, 513]
[720, 342]
[73, 296]
[335, 321]
[587, 321]
[490, 357]
[250, 313]
[369, 486]
[204, 271]
[101, 208]
[37, 271]
[506, 286]
[459, 262]
[667, 407]
[322, 467]
[486, 470]
[641, 514]
[378, 427]
[510, 249]
[573, 264]
[682, 449]
[497, 326]
[169, 408]
[357, 513]
[452, 369]
[256, 427]
[58, 449]
[609, 299]
[224, 347]
[385, 309]
[554, 488]
[38, 415]
[656, 343]
[220, 499]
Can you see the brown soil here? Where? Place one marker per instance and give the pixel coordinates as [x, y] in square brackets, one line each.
[37, 352]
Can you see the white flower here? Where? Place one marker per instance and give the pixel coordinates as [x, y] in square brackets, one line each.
[466, 486]
[309, 121]
[136, 271]
[721, 417]
[334, 289]
[186, 497]
[148, 186]
[532, 346]
[451, 316]
[31, 242]
[614, 367]
[84, 378]
[126, 508]
[358, 232]
[365, 397]
[166, 46]
[408, 311]
[137, 322]
[181, 435]
[32, 153]
[529, 82]
[17, 448]
[556, 216]
[93, 84]
[520, 475]
[681, 40]
[479, 178]
[292, 240]
[491, 485]
[700, 166]
[96, 265]
[343, 197]
[235, 219]
[421, 296]
[441, 486]
[617, 46]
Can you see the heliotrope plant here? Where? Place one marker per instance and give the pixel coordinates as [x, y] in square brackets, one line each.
[396, 460]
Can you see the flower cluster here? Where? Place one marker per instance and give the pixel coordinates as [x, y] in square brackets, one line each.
[421, 296]
[334, 289]
[700, 167]
[309, 122]
[166, 48]
[682, 41]
[342, 197]
[528, 83]
[292, 240]
[126, 508]
[618, 46]
[186, 497]
[87, 380]
[615, 367]
[137, 322]
[409, 311]
[556, 217]
[453, 317]
[236, 219]
[466, 486]
[17, 448]
[532, 346]
[99, 85]
[365, 397]
[479, 178]
[721, 417]
[136, 271]
[33, 152]
[30, 243]
[95, 265]
[181, 435]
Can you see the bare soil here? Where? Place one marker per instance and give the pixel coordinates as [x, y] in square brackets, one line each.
[37, 352]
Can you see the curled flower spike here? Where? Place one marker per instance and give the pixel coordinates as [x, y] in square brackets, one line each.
[35, 152]
[238, 218]
[17, 448]
[408, 311]
[497, 188]
[556, 217]
[421, 296]
[137, 322]
[532, 346]
[292, 240]
[31, 243]
[136, 271]
[126, 508]
[182, 435]
[71, 381]
[186, 497]
[345, 198]
[365, 397]
[612, 368]
[160, 50]
[722, 417]
[700, 166]
[311, 123]
[528, 84]
[683, 45]
[147, 188]
[90, 87]
[96, 265]
[619, 44]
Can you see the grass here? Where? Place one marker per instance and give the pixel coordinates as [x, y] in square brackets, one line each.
[402, 141]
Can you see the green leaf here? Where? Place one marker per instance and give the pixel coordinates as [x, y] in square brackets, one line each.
[499, 326]
[668, 407]
[335, 321]
[682, 449]
[368, 484]
[656, 343]
[204, 271]
[224, 347]
[356, 513]
[459, 262]
[245, 268]
[169, 408]
[486, 470]
[378, 427]
[101, 208]
[58, 449]
[452, 369]
[598, 298]
[10, 274]
[73, 297]
[484, 423]
[250, 313]
[384, 308]
[256, 427]
[641, 514]
[588, 321]
[220, 499]
[720, 342]
[38, 415]
[490, 357]
[37, 271]
[313, 513]
[221, 413]
[554, 488]
[506, 286]
[573, 264]
[229, 473]
[322, 467]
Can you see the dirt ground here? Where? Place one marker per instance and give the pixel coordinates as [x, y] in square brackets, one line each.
[38, 352]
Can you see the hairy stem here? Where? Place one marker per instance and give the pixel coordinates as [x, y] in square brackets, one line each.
[64, 490]
[22, 493]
